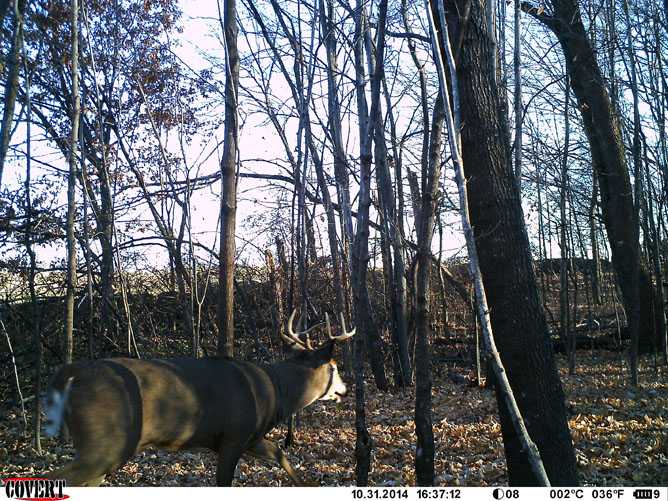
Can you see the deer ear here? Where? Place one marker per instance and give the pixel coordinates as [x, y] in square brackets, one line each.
[326, 353]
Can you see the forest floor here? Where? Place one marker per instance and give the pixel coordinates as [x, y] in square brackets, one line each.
[620, 435]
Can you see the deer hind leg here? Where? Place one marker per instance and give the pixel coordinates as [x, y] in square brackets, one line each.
[96, 481]
[98, 452]
[264, 449]
[82, 472]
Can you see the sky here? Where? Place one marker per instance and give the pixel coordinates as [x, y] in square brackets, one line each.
[257, 141]
[199, 40]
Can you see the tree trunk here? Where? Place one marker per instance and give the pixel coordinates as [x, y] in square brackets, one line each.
[359, 260]
[595, 269]
[601, 125]
[363, 441]
[400, 332]
[390, 232]
[96, 153]
[374, 343]
[517, 316]
[443, 51]
[424, 453]
[517, 62]
[90, 327]
[228, 207]
[12, 83]
[334, 123]
[33, 321]
[564, 311]
[363, 321]
[277, 312]
[106, 230]
[638, 190]
[71, 188]
[340, 164]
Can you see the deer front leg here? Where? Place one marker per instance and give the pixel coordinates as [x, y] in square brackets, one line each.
[228, 457]
[264, 449]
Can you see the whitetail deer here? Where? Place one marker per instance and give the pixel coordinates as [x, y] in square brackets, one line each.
[116, 407]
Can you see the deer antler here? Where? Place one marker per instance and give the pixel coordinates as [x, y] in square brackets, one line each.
[329, 326]
[292, 337]
[344, 334]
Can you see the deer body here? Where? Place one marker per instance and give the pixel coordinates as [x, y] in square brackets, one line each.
[116, 407]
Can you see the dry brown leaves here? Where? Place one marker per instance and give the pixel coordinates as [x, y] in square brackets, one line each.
[619, 434]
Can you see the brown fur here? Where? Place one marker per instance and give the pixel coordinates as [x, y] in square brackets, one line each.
[119, 406]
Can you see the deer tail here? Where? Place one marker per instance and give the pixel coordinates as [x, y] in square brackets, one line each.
[56, 399]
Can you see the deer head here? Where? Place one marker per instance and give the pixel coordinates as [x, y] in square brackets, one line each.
[324, 376]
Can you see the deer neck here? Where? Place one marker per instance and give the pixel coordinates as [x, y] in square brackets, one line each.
[297, 386]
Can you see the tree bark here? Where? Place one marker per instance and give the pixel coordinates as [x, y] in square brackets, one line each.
[393, 265]
[228, 207]
[367, 119]
[71, 188]
[12, 83]
[517, 66]
[517, 316]
[443, 49]
[360, 258]
[334, 123]
[339, 259]
[593, 236]
[277, 311]
[564, 296]
[424, 453]
[33, 321]
[105, 226]
[601, 125]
